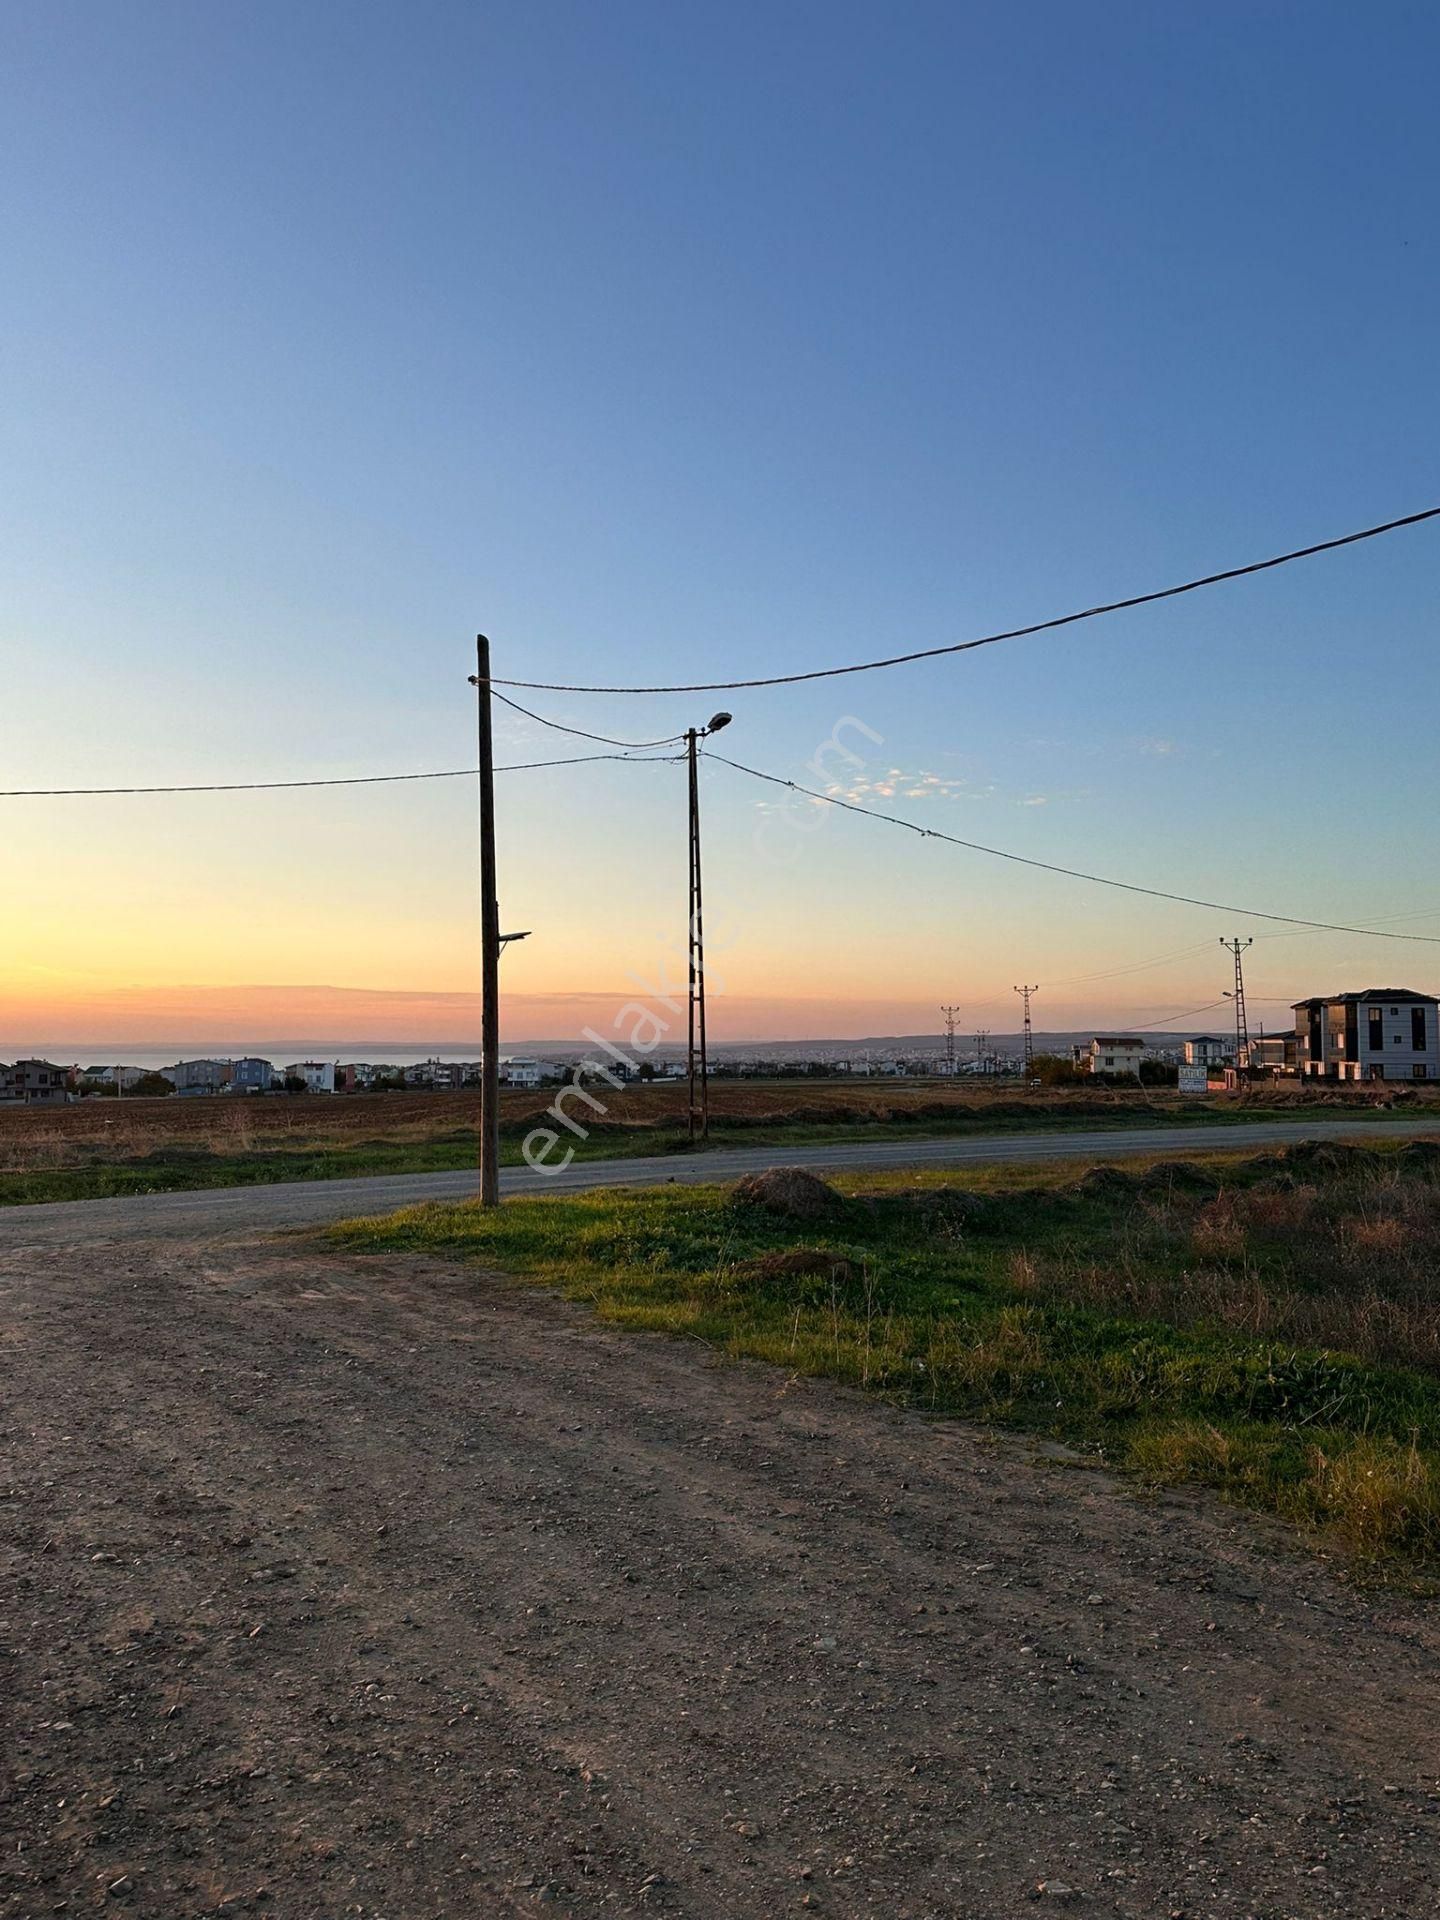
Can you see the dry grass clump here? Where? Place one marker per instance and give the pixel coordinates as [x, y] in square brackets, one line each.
[1281, 1210]
[1219, 1233]
[1238, 1299]
[1350, 1264]
[1375, 1497]
[1362, 1239]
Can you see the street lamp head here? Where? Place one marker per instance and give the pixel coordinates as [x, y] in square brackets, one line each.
[717, 721]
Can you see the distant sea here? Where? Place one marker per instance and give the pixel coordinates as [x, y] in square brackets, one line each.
[279, 1052]
[401, 1053]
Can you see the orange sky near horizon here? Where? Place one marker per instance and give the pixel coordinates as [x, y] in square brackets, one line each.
[149, 926]
[234, 1017]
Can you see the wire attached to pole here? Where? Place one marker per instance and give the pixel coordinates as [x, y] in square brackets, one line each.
[1011, 633]
[1072, 873]
[558, 726]
[340, 780]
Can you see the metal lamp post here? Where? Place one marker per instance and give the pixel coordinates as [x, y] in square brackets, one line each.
[699, 1120]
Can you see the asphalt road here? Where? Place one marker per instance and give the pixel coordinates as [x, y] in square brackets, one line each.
[239, 1210]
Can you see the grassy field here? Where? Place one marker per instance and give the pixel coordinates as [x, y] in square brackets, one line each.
[1267, 1326]
[99, 1148]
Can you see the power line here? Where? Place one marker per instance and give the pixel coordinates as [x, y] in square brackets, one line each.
[1071, 873]
[1145, 1026]
[671, 740]
[1011, 633]
[1203, 946]
[347, 780]
[1144, 966]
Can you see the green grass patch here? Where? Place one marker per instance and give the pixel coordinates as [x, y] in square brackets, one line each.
[1264, 1326]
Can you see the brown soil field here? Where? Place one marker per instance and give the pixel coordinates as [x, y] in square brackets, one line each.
[34, 1138]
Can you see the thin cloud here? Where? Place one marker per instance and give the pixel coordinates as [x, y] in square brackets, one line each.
[898, 782]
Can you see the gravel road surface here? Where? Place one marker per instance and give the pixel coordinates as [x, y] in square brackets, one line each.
[229, 1210]
[342, 1587]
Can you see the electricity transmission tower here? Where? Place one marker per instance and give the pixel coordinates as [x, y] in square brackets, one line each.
[950, 1013]
[1025, 993]
[1242, 1030]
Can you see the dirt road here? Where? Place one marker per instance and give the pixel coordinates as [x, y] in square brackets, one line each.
[304, 1203]
[341, 1587]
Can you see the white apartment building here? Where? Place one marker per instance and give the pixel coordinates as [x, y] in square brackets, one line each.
[318, 1075]
[1205, 1050]
[1114, 1053]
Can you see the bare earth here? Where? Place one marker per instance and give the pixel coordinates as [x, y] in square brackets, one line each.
[363, 1587]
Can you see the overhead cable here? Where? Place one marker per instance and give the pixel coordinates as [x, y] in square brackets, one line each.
[1144, 1026]
[343, 780]
[1010, 633]
[1070, 873]
[559, 726]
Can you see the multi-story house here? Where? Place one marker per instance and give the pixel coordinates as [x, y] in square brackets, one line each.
[1383, 1033]
[251, 1075]
[197, 1076]
[121, 1078]
[1112, 1053]
[318, 1075]
[1205, 1051]
[1272, 1053]
[515, 1072]
[35, 1082]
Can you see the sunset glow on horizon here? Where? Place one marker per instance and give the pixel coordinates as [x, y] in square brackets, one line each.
[288, 419]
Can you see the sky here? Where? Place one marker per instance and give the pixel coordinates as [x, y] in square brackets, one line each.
[705, 343]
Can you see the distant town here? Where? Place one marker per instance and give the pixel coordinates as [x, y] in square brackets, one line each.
[1375, 1034]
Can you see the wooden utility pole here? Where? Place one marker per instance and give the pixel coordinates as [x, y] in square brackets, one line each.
[699, 1113]
[489, 943]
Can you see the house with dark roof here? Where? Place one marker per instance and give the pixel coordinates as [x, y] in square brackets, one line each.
[1111, 1053]
[1205, 1050]
[36, 1083]
[1382, 1033]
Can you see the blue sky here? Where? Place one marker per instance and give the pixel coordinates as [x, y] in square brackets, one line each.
[690, 342]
